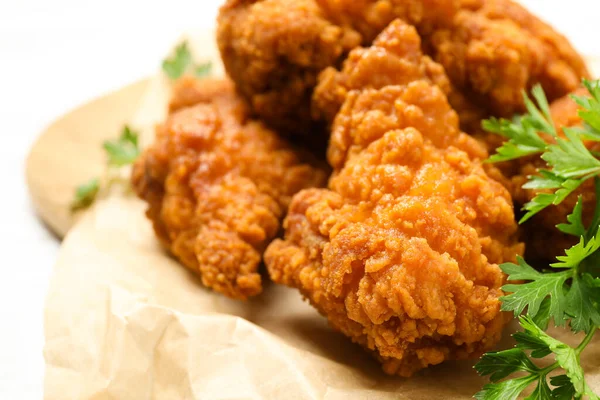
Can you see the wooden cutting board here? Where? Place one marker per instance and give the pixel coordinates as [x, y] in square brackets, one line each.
[69, 152]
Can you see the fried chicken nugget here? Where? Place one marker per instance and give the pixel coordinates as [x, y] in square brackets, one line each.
[492, 50]
[218, 184]
[401, 253]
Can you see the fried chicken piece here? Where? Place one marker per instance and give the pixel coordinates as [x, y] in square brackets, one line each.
[218, 185]
[365, 69]
[274, 50]
[544, 241]
[371, 17]
[401, 252]
[376, 67]
[492, 50]
[496, 49]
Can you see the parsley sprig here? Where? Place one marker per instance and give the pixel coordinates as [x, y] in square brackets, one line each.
[85, 194]
[570, 162]
[182, 62]
[119, 153]
[533, 342]
[126, 149]
[568, 293]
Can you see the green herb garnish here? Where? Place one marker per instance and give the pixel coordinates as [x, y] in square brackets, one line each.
[119, 153]
[182, 62]
[203, 70]
[533, 342]
[567, 293]
[85, 194]
[570, 162]
[123, 151]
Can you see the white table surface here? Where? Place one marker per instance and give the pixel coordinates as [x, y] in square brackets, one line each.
[57, 54]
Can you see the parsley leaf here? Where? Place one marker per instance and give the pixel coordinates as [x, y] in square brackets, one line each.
[570, 158]
[570, 161]
[580, 303]
[541, 116]
[529, 342]
[595, 224]
[575, 301]
[570, 291]
[545, 180]
[523, 138]
[523, 133]
[85, 194]
[531, 295]
[175, 66]
[542, 391]
[575, 226]
[123, 151]
[543, 200]
[566, 356]
[576, 254]
[120, 152]
[500, 365]
[542, 319]
[128, 135]
[506, 390]
[590, 112]
[564, 389]
[182, 62]
[203, 70]
[591, 395]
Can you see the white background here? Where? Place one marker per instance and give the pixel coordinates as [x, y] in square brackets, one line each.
[56, 54]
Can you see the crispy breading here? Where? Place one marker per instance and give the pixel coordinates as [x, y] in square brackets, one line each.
[375, 67]
[496, 49]
[218, 184]
[401, 252]
[274, 50]
[492, 50]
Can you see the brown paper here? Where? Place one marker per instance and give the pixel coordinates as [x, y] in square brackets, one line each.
[125, 321]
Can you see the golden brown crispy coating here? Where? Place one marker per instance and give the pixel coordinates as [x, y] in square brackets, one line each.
[274, 50]
[218, 184]
[188, 92]
[401, 252]
[395, 58]
[491, 50]
[371, 17]
[496, 49]
[378, 66]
